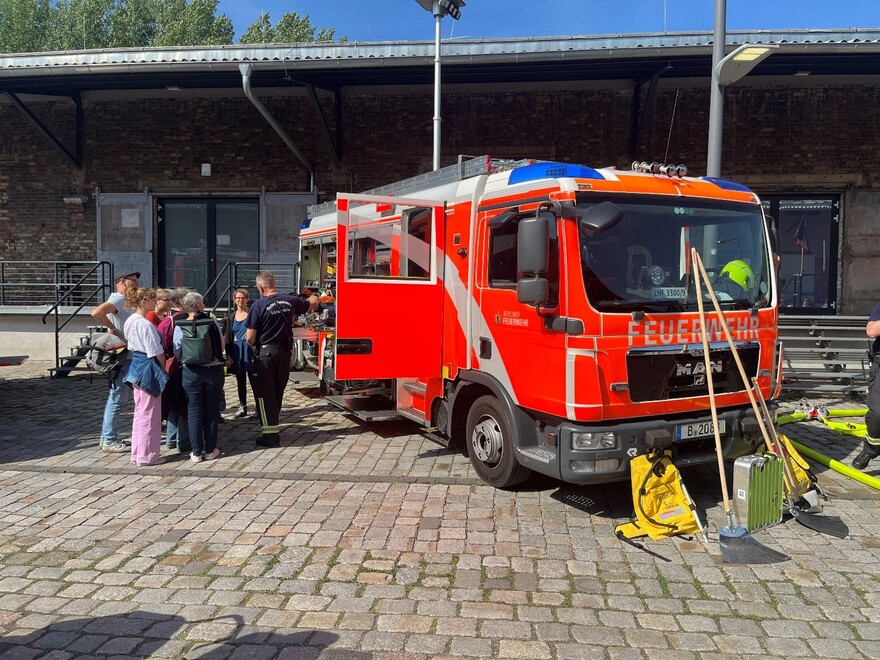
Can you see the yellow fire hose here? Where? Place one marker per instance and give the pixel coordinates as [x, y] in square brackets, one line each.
[837, 466]
[856, 430]
[791, 417]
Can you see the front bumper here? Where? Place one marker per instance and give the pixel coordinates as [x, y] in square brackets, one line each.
[741, 436]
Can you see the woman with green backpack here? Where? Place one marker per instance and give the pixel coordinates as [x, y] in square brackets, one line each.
[198, 344]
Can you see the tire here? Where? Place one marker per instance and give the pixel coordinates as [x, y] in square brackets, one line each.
[490, 444]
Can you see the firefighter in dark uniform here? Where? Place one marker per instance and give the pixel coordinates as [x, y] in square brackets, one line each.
[269, 332]
[871, 444]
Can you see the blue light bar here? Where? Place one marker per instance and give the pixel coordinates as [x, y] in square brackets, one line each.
[724, 184]
[552, 171]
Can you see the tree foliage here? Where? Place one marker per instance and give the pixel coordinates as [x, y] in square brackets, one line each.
[291, 28]
[23, 25]
[47, 25]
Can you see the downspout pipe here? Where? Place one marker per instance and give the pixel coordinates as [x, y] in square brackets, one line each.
[246, 71]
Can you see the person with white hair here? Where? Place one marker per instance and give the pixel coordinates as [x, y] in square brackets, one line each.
[198, 344]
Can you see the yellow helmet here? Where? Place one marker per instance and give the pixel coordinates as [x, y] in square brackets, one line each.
[740, 272]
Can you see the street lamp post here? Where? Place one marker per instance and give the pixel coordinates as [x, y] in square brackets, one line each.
[726, 70]
[439, 9]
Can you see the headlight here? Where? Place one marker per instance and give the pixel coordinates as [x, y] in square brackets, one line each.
[657, 275]
[593, 441]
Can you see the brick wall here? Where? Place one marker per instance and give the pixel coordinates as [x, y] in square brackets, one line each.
[34, 179]
[774, 135]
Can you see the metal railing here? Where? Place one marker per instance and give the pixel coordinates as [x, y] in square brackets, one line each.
[91, 288]
[241, 275]
[36, 283]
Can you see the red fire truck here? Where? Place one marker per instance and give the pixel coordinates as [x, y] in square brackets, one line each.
[544, 314]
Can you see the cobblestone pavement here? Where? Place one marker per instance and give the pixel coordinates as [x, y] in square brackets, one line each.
[371, 542]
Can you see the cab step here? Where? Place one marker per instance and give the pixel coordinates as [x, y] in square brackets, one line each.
[433, 434]
[413, 414]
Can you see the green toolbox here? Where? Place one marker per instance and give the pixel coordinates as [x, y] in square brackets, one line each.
[758, 490]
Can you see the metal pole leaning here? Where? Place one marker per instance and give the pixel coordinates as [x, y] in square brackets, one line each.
[737, 545]
[729, 337]
[828, 525]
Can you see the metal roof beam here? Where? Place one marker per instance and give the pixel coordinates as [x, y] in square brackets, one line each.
[647, 113]
[75, 160]
[322, 119]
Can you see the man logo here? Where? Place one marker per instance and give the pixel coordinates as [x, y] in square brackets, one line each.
[700, 380]
[696, 368]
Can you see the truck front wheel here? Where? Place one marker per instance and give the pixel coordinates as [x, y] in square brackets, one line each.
[490, 444]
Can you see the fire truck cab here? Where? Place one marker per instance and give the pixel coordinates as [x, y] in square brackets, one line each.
[544, 314]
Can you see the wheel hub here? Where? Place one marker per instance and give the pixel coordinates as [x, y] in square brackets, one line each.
[487, 441]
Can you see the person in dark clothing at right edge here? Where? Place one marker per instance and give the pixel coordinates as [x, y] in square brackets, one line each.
[270, 333]
[871, 444]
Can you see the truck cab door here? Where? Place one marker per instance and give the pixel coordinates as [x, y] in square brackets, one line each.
[389, 287]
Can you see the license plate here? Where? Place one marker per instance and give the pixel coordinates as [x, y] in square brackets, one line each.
[698, 430]
[667, 292]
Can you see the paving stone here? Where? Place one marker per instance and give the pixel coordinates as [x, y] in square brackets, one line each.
[832, 648]
[468, 647]
[350, 542]
[508, 648]
[55, 640]
[120, 645]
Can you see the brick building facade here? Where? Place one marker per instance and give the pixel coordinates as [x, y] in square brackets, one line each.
[807, 137]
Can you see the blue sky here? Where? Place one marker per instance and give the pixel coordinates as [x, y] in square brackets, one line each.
[405, 20]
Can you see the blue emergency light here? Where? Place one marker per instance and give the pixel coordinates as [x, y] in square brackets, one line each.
[551, 170]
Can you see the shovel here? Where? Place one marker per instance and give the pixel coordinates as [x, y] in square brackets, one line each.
[737, 546]
[830, 525]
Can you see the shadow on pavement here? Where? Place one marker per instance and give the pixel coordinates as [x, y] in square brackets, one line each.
[45, 417]
[147, 634]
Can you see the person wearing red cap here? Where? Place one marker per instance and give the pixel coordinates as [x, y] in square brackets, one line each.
[112, 314]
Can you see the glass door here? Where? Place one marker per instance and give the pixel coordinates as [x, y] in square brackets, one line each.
[183, 249]
[198, 237]
[807, 233]
[237, 236]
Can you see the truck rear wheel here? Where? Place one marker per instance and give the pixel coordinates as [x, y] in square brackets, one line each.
[490, 444]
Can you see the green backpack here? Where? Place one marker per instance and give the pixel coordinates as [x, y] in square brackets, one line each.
[199, 343]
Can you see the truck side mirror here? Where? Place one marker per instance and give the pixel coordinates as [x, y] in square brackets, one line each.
[533, 258]
[533, 244]
[602, 216]
[532, 291]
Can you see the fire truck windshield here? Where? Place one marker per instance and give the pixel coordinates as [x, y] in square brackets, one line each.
[643, 262]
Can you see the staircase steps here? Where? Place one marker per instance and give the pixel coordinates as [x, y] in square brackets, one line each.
[824, 354]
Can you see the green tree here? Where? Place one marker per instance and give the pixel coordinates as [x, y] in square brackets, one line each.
[291, 28]
[192, 23]
[43, 25]
[23, 25]
[133, 23]
[79, 24]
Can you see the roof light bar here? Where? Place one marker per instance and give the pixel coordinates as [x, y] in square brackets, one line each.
[657, 168]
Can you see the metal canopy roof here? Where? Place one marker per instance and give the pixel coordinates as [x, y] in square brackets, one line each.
[331, 66]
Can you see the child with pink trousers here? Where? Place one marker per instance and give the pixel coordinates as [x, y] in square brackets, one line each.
[146, 344]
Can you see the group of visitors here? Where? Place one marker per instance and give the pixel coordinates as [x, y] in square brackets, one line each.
[178, 356]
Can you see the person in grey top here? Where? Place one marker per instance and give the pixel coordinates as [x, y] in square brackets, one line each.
[112, 314]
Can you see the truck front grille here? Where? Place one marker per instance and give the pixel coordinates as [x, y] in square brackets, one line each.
[657, 375]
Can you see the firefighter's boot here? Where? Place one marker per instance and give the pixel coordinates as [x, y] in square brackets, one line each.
[870, 449]
[269, 440]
